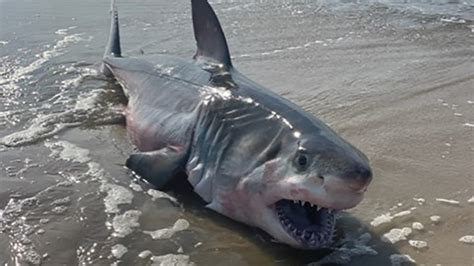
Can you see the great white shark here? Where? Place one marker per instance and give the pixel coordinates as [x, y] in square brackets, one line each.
[249, 153]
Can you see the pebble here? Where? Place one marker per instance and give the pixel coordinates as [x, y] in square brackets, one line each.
[471, 200]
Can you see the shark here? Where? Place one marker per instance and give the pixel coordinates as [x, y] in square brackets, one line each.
[249, 153]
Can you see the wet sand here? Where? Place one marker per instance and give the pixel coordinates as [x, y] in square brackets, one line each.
[396, 80]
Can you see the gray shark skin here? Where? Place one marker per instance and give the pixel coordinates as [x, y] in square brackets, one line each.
[250, 154]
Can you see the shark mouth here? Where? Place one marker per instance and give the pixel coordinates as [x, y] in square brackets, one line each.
[310, 225]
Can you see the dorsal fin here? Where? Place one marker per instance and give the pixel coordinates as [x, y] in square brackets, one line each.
[113, 48]
[211, 42]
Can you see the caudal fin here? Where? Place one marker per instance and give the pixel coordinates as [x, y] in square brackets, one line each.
[113, 47]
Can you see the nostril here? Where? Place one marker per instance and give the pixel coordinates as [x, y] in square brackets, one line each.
[321, 177]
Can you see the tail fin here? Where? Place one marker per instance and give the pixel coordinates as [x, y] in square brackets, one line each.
[113, 48]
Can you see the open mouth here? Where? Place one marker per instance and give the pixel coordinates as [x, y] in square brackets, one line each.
[310, 225]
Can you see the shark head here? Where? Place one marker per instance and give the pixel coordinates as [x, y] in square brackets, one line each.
[295, 195]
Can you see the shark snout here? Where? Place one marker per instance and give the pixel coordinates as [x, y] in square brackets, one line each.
[358, 178]
[355, 179]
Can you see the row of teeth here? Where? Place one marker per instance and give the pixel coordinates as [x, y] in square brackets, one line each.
[313, 238]
[318, 208]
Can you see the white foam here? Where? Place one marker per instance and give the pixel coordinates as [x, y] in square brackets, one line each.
[417, 226]
[435, 218]
[166, 233]
[95, 171]
[71, 83]
[156, 194]
[400, 259]
[61, 32]
[3, 43]
[116, 195]
[381, 219]
[468, 239]
[1, 215]
[448, 201]
[135, 187]
[62, 201]
[43, 126]
[119, 250]
[59, 210]
[171, 259]
[468, 124]
[387, 217]
[454, 20]
[396, 235]
[420, 201]
[124, 224]
[402, 213]
[19, 230]
[418, 244]
[87, 101]
[9, 80]
[144, 254]
[285, 49]
[68, 151]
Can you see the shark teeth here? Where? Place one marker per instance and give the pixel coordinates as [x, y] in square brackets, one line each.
[318, 233]
[312, 205]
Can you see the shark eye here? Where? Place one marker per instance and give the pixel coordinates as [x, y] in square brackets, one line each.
[301, 161]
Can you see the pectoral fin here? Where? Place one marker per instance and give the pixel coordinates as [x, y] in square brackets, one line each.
[157, 167]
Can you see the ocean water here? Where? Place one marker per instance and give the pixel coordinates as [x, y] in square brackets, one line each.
[395, 78]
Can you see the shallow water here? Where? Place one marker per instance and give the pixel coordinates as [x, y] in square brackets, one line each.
[393, 77]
